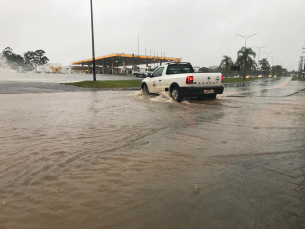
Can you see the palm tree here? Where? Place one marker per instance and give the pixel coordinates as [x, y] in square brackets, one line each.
[226, 63]
[244, 57]
[251, 64]
[265, 67]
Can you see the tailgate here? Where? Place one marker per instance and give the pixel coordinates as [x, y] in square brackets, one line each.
[207, 79]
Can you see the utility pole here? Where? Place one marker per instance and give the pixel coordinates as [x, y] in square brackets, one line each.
[92, 32]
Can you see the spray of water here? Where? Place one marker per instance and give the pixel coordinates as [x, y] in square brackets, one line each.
[162, 97]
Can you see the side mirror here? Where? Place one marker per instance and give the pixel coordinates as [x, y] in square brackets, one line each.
[148, 74]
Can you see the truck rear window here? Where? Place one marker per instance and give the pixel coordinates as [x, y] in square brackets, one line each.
[177, 69]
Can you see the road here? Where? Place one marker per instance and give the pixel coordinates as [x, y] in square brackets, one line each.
[118, 159]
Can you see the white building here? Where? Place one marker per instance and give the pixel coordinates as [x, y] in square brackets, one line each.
[196, 68]
[58, 68]
[50, 68]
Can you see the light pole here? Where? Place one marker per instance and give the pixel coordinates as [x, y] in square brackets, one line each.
[245, 37]
[259, 51]
[273, 68]
[92, 32]
[268, 54]
[273, 57]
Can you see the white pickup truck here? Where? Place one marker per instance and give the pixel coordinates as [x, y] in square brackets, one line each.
[180, 80]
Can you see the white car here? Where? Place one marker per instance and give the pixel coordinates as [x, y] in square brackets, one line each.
[143, 72]
[180, 80]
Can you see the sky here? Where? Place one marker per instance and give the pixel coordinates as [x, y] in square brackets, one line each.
[198, 31]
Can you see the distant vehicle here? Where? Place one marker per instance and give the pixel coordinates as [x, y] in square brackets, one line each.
[260, 76]
[180, 80]
[143, 72]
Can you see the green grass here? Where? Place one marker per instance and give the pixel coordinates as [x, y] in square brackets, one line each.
[298, 78]
[237, 80]
[107, 84]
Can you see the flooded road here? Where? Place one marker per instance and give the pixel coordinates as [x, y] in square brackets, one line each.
[105, 159]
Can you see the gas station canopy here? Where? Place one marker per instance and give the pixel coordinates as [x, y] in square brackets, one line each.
[122, 59]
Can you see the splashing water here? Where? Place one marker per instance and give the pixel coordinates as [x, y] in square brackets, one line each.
[163, 97]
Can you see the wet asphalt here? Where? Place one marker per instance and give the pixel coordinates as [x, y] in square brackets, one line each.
[80, 158]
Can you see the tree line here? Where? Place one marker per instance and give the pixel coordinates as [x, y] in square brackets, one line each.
[29, 61]
[248, 66]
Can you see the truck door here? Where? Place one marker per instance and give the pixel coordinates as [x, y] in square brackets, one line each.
[155, 82]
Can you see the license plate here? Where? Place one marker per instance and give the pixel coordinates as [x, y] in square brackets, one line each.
[211, 91]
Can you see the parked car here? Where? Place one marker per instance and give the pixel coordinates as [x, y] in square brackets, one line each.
[143, 72]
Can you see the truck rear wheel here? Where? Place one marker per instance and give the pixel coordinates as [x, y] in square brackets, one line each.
[175, 94]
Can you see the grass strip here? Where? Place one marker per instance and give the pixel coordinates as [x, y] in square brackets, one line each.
[237, 80]
[298, 78]
[107, 84]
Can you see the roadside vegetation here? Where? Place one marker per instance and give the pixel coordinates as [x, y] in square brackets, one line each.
[247, 66]
[298, 79]
[29, 61]
[107, 84]
[237, 80]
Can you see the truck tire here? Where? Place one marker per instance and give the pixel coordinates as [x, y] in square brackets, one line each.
[175, 94]
[145, 90]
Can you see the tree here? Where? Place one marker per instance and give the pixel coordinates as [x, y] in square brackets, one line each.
[226, 63]
[29, 57]
[278, 70]
[33, 59]
[40, 59]
[203, 69]
[244, 55]
[214, 68]
[12, 60]
[7, 55]
[264, 65]
[251, 64]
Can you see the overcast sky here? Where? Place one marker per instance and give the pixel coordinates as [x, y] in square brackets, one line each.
[198, 31]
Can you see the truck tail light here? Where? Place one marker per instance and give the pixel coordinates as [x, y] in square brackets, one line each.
[189, 80]
[221, 78]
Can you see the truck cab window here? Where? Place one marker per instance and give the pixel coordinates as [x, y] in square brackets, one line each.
[177, 69]
[158, 72]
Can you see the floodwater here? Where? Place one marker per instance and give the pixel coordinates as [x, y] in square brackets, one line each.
[118, 159]
[58, 78]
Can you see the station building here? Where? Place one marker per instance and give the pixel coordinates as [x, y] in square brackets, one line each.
[57, 68]
[121, 63]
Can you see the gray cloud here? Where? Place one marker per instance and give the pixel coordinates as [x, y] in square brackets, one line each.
[198, 31]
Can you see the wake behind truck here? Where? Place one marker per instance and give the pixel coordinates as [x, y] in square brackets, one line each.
[180, 80]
